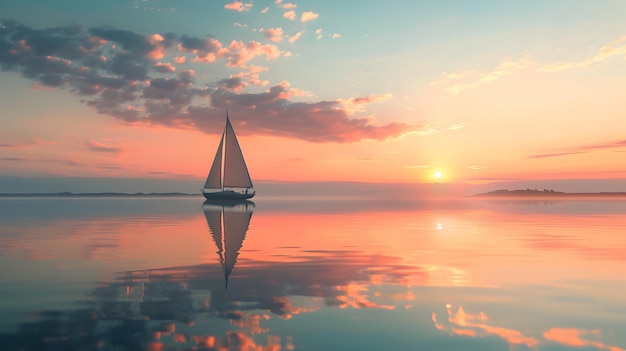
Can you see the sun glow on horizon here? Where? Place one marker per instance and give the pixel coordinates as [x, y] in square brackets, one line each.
[438, 175]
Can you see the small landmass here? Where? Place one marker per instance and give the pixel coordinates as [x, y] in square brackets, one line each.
[505, 193]
[105, 194]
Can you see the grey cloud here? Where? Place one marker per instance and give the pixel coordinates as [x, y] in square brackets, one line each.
[97, 147]
[117, 73]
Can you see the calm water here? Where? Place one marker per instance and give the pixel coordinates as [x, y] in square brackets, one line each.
[280, 274]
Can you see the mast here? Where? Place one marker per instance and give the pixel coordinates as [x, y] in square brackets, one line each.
[224, 153]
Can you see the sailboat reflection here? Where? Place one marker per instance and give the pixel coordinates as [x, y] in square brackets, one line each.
[228, 222]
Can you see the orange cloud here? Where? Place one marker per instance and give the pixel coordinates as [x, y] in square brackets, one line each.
[274, 34]
[238, 6]
[238, 53]
[290, 15]
[574, 337]
[158, 49]
[295, 37]
[164, 67]
[462, 323]
[308, 16]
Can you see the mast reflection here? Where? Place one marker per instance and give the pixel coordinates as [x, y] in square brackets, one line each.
[228, 223]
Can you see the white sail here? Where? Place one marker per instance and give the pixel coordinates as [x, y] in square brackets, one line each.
[235, 170]
[214, 180]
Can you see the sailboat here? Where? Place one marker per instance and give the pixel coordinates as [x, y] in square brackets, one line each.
[228, 223]
[228, 178]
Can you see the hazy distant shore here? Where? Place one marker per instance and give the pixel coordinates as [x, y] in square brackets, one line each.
[106, 194]
[497, 194]
[534, 193]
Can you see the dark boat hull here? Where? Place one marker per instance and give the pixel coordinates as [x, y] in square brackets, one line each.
[227, 195]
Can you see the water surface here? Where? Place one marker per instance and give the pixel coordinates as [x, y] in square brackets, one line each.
[317, 274]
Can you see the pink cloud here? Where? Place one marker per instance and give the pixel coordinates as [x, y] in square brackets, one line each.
[251, 76]
[238, 6]
[180, 59]
[288, 6]
[274, 34]
[370, 98]
[295, 37]
[164, 67]
[206, 50]
[575, 150]
[461, 323]
[290, 15]
[158, 49]
[308, 16]
[577, 338]
[238, 53]
[554, 154]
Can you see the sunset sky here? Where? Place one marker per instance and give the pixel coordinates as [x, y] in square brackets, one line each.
[363, 91]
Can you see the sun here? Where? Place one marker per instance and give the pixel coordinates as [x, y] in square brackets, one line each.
[438, 175]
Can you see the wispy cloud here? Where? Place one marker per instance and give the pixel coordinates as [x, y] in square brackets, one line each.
[554, 154]
[238, 6]
[457, 126]
[47, 160]
[354, 105]
[295, 37]
[101, 147]
[418, 166]
[12, 159]
[578, 338]
[581, 149]
[477, 167]
[457, 82]
[26, 145]
[607, 145]
[614, 48]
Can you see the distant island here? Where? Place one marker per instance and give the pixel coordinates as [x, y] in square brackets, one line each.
[534, 193]
[106, 194]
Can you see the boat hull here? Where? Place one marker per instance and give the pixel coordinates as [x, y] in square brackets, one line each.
[227, 195]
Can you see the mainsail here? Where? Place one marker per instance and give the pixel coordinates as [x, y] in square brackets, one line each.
[235, 170]
[228, 158]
